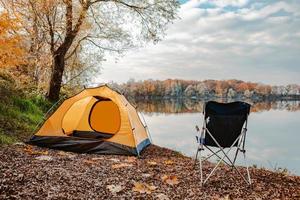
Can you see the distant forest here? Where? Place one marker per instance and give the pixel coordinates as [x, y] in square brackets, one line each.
[175, 88]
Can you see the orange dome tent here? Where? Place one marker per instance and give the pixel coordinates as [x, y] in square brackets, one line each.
[97, 120]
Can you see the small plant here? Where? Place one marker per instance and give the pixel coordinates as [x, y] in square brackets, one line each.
[282, 170]
[6, 139]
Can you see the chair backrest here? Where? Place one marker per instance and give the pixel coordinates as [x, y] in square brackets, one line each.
[224, 121]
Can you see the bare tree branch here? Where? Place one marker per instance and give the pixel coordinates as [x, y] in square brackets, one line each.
[101, 47]
[75, 48]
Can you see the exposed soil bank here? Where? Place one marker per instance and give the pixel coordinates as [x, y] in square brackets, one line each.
[36, 173]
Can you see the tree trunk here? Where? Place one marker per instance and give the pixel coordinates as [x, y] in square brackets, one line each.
[56, 77]
[59, 54]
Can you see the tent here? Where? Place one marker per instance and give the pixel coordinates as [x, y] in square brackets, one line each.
[96, 120]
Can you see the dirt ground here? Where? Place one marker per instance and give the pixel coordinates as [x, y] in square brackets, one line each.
[28, 172]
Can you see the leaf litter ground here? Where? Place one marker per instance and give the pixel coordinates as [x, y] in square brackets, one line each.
[28, 172]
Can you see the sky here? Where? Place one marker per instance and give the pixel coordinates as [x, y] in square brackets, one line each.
[257, 41]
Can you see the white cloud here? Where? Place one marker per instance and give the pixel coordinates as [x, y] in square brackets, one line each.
[248, 40]
[224, 3]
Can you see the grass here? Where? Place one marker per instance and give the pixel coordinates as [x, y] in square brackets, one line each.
[18, 118]
[20, 112]
[5, 139]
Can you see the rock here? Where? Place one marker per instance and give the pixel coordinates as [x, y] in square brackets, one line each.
[114, 188]
[146, 175]
[19, 144]
[44, 158]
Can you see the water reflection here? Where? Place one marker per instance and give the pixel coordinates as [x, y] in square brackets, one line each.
[272, 138]
[192, 106]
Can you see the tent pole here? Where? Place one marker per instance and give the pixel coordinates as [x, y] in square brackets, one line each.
[46, 114]
[146, 126]
[133, 131]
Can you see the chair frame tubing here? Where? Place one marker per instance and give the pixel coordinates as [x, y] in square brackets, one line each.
[239, 148]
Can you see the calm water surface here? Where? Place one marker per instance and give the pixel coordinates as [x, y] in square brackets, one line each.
[273, 139]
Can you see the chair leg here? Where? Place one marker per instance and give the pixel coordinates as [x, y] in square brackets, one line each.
[215, 154]
[196, 157]
[235, 156]
[201, 172]
[247, 167]
[213, 170]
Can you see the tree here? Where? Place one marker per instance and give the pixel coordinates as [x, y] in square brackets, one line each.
[68, 26]
[190, 91]
[231, 93]
[263, 90]
[221, 88]
[202, 90]
[11, 50]
[293, 89]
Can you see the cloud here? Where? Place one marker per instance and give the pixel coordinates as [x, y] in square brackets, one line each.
[241, 39]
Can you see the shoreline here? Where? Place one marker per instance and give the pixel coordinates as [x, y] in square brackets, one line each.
[206, 98]
[30, 172]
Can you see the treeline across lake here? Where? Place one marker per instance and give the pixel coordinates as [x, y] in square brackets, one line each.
[237, 89]
[170, 106]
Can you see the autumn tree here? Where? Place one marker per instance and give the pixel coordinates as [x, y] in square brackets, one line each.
[65, 27]
[11, 50]
[221, 88]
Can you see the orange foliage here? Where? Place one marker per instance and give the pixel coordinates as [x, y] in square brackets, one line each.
[11, 52]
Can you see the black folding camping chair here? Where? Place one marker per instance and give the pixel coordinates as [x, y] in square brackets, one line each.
[224, 127]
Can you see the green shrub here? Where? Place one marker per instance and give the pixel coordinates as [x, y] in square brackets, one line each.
[41, 102]
[20, 111]
[24, 105]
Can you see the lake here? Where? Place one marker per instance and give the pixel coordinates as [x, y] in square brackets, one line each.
[272, 139]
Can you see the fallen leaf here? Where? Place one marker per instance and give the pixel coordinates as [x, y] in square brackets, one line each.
[162, 196]
[89, 162]
[152, 163]
[117, 166]
[168, 162]
[63, 153]
[131, 159]
[28, 149]
[42, 152]
[226, 198]
[97, 158]
[143, 188]
[114, 188]
[71, 156]
[114, 160]
[171, 180]
[44, 158]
